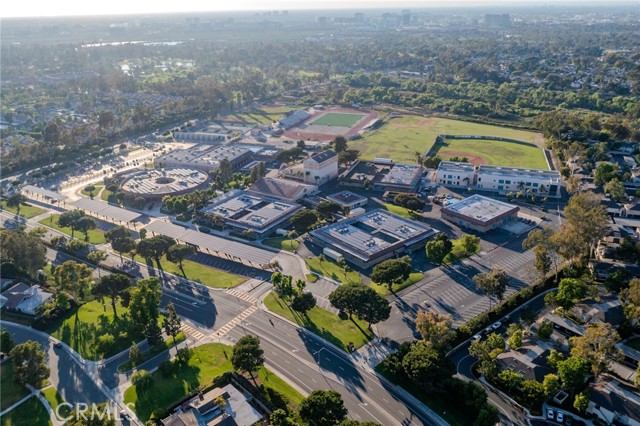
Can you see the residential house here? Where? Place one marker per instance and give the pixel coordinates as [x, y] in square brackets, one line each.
[529, 360]
[25, 298]
[614, 402]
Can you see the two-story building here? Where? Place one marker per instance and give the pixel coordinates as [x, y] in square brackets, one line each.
[321, 167]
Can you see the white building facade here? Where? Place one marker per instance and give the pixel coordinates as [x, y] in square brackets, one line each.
[456, 175]
[545, 183]
[321, 168]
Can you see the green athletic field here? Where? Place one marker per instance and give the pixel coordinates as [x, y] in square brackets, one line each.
[494, 152]
[401, 137]
[338, 119]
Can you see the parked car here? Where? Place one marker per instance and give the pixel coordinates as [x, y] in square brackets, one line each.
[476, 337]
[550, 414]
[496, 325]
[560, 417]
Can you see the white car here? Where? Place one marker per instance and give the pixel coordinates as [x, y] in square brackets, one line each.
[550, 414]
[496, 325]
[560, 417]
[476, 337]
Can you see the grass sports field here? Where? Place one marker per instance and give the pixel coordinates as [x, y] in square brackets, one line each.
[494, 152]
[262, 115]
[400, 137]
[338, 119]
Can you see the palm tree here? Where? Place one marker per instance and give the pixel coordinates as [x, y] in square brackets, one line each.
[521, 186]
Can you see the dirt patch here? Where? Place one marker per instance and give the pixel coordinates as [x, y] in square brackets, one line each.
[476, 160]
[423, 122]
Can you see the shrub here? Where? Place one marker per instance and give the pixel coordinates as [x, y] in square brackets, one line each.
[141, 379]
[545, 330]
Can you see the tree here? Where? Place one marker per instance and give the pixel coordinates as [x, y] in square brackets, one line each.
[85, 224]
[15, 201]
[303, 302]
[515, 338]
[303, 220]
[134, 354]
[90, 188]
[350, 422]
[493, 284]
[630, 298]
[372, 308]
[225, 172]
[587, 221]
[280, 417]
[616, 190]
[144, 308]
[348, 156]
[71, 219]
[339, 144]
[570, 291]
[544, 238]
[141, 379]
[510, 380]
[120, 239]
[6, 341]
[392, 271]
[487, 416]
[545, 329]
[435, 328]
[73, 277]
[323, 408]
[469, 244]
[30, 363]
[171, 322]
[94, 420]
[177, 253]
[551, 385]
[554, 358]
[605, 172]
[328, 208]
[97, 256]
[432, 162]
[436, 251]
[573, 372]
[527, 316]
[542, 261]
[26, 252]
[409, 201]
[581, 402]
[596, 345]
[154, 247]
[112, 285]
[247, 355]
[346, 298]
[423, 364]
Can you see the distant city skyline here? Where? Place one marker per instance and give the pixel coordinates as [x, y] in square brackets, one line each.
[44, 8]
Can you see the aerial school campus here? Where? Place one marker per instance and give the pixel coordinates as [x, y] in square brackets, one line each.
[346, 231]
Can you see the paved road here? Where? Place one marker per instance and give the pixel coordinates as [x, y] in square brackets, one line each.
[310, 364]
[509, 414]
[67, 375]
[452, 290]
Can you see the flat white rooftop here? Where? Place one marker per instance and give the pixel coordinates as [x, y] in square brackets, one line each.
[480, 208]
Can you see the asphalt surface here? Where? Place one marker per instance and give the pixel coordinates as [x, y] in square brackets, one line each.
[509, 413]
[67, 375]
[311, 364]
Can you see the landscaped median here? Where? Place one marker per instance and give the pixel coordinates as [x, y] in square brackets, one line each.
[26, 210]
[323, 323]
[81, 329]
[383, 289]
[203, 274]
[282, 243]
[96, 236]
[169, 386]
[458, 251]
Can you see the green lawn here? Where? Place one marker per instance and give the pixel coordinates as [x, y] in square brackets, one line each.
[96, 236]
[457, 253]
[400, 211]
[206, 362]
[312, 278]
[94, 320]
[494, 152]
[211, 277]
[54, 399]
[401, 137]
[108, 196]
[383, 290]
[29, 413]
[281, 243]
[338, 119]
[263, 115]
[95, 191]
[153, 351]
[331, 269]
[323, 323]
[26, 210]
[291, 397]
[11, 392]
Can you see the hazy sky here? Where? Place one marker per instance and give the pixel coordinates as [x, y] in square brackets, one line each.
[33, 8]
